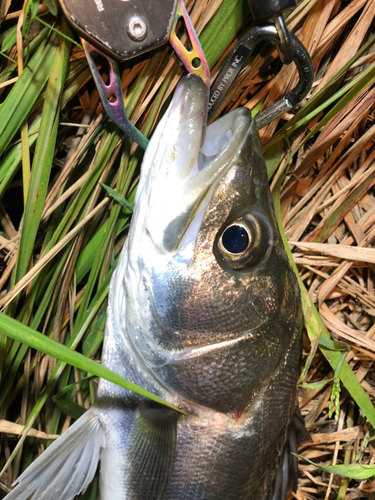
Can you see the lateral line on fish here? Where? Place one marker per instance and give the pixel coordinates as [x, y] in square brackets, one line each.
[193, 353]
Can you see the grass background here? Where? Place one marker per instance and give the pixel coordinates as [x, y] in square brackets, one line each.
[61, 232]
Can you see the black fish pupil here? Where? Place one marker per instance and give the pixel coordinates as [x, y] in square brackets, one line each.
[235, 239]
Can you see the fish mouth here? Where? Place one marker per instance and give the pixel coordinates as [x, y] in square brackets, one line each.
[180, 175]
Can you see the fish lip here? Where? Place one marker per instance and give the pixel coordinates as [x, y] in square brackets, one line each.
[179, 173]
[182, 101]
[233, 127]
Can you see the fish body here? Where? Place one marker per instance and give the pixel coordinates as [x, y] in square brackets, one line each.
[204, 311]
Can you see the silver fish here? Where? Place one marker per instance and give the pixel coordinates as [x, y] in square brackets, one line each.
[204, 311]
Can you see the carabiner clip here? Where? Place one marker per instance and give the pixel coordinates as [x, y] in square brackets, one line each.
[285, 49]
[238, 58]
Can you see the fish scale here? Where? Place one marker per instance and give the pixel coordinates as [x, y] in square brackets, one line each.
[226, 445]
[213, 332]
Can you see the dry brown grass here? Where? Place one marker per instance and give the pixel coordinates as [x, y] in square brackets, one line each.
[327, 168]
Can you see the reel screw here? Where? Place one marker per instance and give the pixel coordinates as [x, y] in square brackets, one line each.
[137, 29]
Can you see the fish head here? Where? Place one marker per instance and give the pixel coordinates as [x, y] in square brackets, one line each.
[212, 305]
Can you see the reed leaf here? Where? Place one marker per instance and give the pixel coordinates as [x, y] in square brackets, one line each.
[34, 339]
[44, 150]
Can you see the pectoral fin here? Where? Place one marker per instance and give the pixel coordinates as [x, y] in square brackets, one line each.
[67, 467]
[152, 448]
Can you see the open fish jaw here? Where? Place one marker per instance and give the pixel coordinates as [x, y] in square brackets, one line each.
[177, 173]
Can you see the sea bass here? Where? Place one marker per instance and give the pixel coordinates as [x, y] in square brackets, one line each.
[204, 311]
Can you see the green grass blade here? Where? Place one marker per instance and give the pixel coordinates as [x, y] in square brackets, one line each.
[116, 196]
[33, 46]
[317, 330]
[352, 471]
[223, 26]
[70, 408]
[25, 92]
[43, 157]
[22, 333]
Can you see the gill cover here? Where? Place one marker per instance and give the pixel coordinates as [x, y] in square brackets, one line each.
[211, 301]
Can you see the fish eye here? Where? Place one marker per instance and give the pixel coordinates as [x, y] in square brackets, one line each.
[243, 243]
[235, 239]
